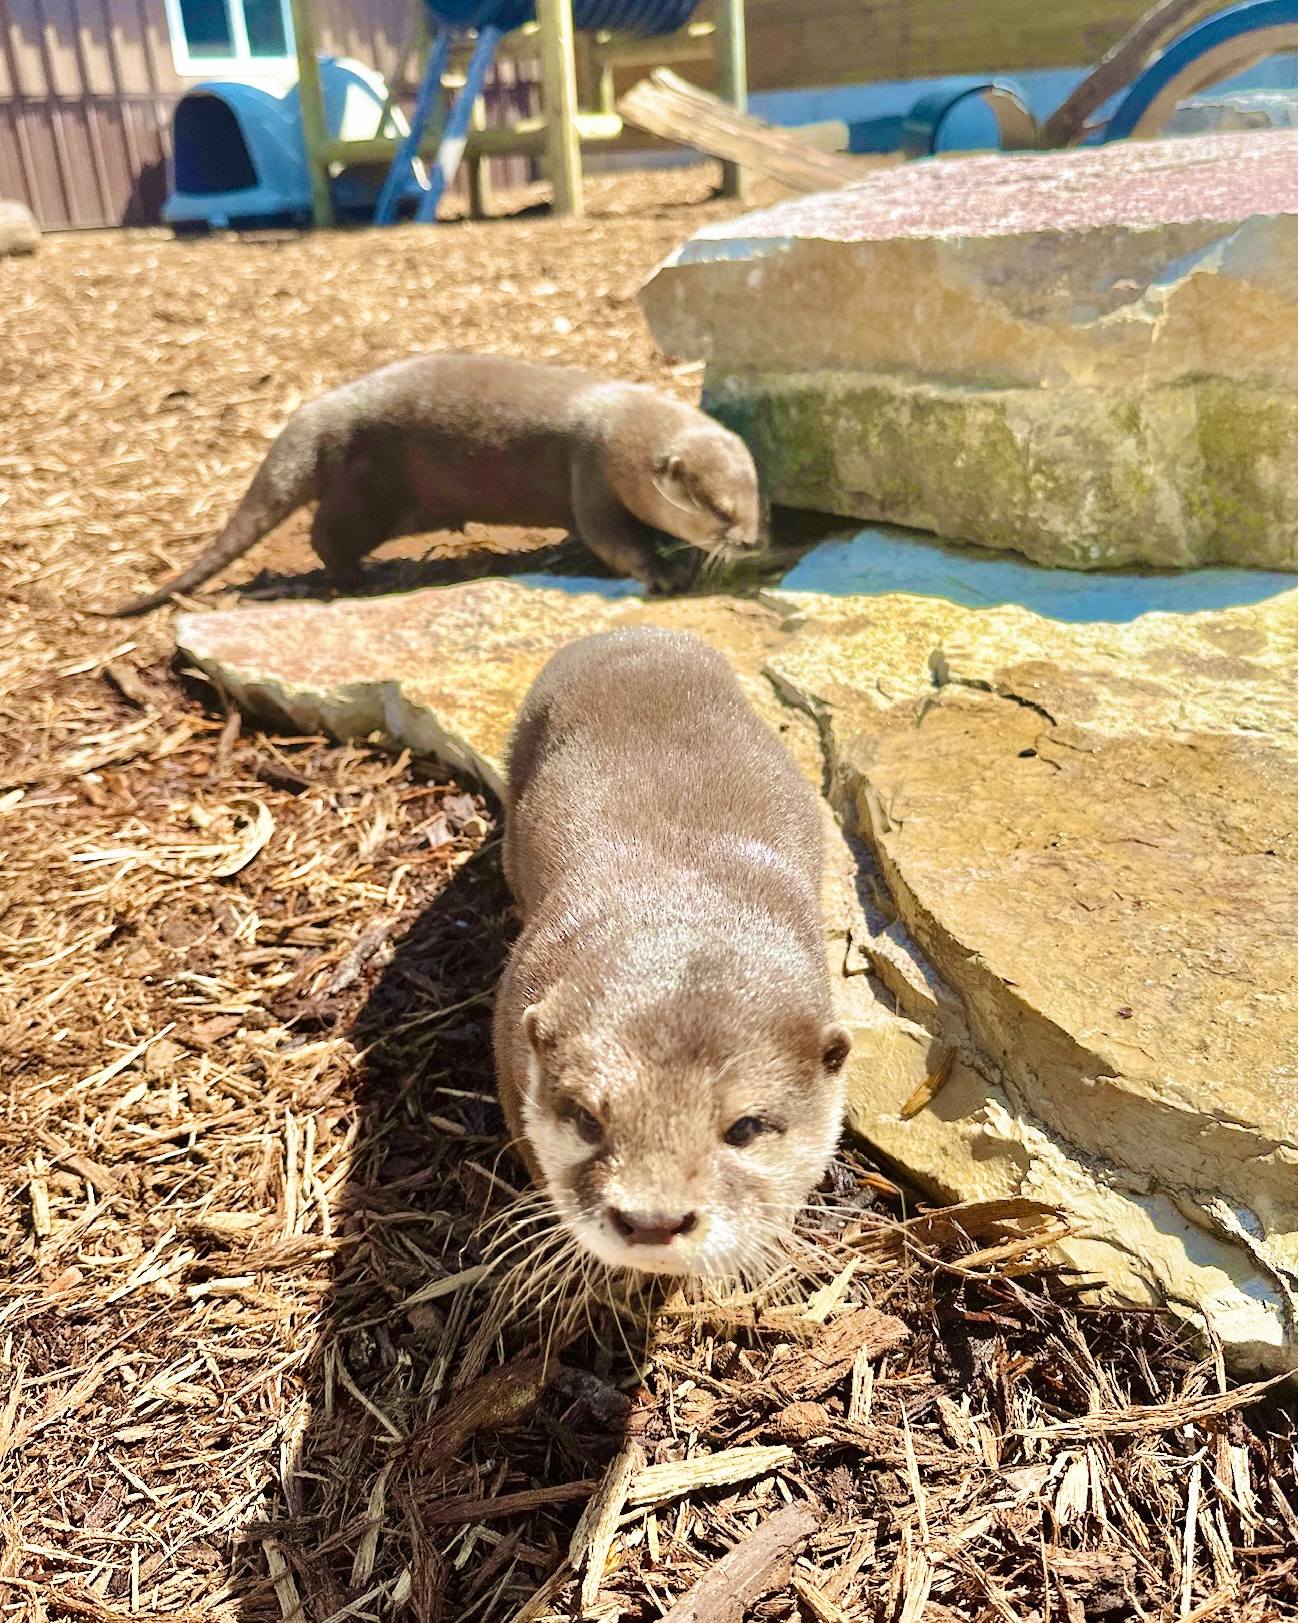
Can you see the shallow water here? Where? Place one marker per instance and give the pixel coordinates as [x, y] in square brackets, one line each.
[813, 554]
[876, 561]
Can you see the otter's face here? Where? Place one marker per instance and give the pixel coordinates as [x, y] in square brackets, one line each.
[669, 1150]
[706, 493]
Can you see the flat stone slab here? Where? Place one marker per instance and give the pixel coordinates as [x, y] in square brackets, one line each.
[1088, 357]
[1061, 851]
[443, 670]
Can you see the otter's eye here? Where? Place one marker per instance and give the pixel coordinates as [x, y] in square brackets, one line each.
[740, 1134]
[588, 1126]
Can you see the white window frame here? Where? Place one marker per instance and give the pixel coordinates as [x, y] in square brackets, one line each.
[242, 61]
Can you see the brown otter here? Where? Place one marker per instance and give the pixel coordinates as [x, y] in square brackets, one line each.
[439, 441]
[666, 1053]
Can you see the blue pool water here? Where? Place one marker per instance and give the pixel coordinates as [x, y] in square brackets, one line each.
[877, 561]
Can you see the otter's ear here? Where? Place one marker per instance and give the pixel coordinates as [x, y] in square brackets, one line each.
[670, 478]
[532, 1028]
[836, 1043]
[537, 1043]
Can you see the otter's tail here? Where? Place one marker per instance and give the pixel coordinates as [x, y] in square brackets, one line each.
[280, 486]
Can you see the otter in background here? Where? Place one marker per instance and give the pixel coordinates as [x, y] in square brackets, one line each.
[441, 441]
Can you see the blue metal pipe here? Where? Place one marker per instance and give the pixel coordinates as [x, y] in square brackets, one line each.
[456, 132]
[430, 88]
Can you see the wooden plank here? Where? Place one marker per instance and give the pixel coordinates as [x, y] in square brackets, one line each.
[793, 44]
[526, 138]
[667, 106]
[478, 178]
[695, 43]
[559, 99]
[315, 131]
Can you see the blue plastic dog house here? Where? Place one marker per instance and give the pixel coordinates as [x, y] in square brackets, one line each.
[238, 156]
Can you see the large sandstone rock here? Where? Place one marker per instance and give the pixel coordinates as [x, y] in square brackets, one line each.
[19, 232]
[1086, 356]
[1084, 847]
[1064, 854]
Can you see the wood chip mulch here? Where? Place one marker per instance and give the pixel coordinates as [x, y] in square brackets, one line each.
[254, 1362]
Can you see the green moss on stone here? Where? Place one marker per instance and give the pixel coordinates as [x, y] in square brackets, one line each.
[1247, 439]
[787, 434]
[1087, 478]
[1094, 470]
[925, 453]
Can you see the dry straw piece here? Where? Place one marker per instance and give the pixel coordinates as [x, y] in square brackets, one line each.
[247, 1128]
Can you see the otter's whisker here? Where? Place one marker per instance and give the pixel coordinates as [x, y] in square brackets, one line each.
[558, 1281]
[559, 1323]
[539, 1278]
[527, 1209]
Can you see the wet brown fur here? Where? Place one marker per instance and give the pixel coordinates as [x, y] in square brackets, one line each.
[665, 853]
[439, 441]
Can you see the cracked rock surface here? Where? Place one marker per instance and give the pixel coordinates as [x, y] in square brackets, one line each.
[1062, 854]
[1085, 356]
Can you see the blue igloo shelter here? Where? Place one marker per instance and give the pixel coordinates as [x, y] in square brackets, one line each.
[238, 157]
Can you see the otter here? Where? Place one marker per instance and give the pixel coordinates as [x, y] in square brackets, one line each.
[439, 441]
[666, 1052]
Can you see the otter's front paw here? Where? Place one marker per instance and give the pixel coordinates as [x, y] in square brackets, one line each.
[675, 573]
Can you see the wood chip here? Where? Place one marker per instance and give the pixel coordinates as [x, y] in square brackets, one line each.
[593, 1537]
[460, 1511]
[819, 1604]
[745, 1573]
[656, 1484]
[929, 1088]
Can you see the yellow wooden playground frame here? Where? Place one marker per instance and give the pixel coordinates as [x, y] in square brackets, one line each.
[573, 68]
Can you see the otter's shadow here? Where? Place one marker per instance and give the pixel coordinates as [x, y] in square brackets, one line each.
[395, 1438]
[450, 565]
[383, 577]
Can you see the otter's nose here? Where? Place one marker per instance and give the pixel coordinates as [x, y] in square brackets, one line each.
[651, 1228]
[736, 537]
